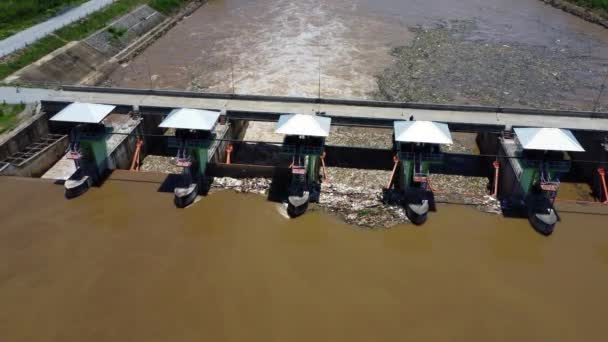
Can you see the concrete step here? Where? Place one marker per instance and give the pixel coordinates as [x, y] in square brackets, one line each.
[62, 170]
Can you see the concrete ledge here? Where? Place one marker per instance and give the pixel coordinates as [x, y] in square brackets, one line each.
[330, 101]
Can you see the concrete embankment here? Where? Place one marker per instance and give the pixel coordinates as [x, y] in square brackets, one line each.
[75, 62]
[30, 35]
[89, 61]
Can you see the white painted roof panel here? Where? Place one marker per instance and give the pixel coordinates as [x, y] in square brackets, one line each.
[422, 132]
[548, 139]
[83, 113]
[302, 124]
[186, 118]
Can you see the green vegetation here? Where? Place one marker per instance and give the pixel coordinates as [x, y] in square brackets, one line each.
[592, 3]
[17, 15]
[599, 6]
[364, 212]
[8, 116]
[97, 20]
[167, 6]
[117, 32]
[78, 30]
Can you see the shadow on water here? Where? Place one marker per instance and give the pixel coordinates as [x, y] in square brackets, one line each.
[170, 183]
[278, 186]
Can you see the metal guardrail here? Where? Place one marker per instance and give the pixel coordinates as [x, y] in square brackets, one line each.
[405, 155]
[3, 165]
[308, 150]
[528, 163]
[432, 157]
[429, 157]
[559, 166]
[555, 166]
[173, 142]
[91, 135]
[421, 177]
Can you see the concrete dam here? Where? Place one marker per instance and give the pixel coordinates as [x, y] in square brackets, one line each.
[207, 136]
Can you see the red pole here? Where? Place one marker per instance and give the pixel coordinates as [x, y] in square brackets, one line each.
[496, 172]
[135, 163]
[323, 165]
[602, 173]
[390, 181]
[228, 152]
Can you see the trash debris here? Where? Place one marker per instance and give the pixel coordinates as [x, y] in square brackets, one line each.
[444, 64]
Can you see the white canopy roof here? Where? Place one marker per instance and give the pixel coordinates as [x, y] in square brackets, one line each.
[83, 113]
[186, 118]
[548, 139]
[302, 124]
[422, 132]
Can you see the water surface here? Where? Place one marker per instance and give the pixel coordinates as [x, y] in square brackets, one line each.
[336, 48]
[121, 263]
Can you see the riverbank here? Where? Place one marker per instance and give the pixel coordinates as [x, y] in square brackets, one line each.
[16, 16]
[78, 31]
[595, 11]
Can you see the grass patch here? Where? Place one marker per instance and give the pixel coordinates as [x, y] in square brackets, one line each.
[167, 6]
[603, 4]
[8, 116]
[97, 20]
[17, 15]
[116, 33]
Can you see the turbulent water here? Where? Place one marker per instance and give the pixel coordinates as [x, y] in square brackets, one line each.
[336, 48]
[122, 264]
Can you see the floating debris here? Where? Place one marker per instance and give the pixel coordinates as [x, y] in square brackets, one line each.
[161, 164]
[445, 65]
[361, 137]
[354, 194]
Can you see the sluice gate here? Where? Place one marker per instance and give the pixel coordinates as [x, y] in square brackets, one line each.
[206, 143]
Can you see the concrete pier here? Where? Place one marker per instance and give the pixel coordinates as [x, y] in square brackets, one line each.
[120, 147]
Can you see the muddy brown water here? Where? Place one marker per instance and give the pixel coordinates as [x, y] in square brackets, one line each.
[122, 264]
[281, 47]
